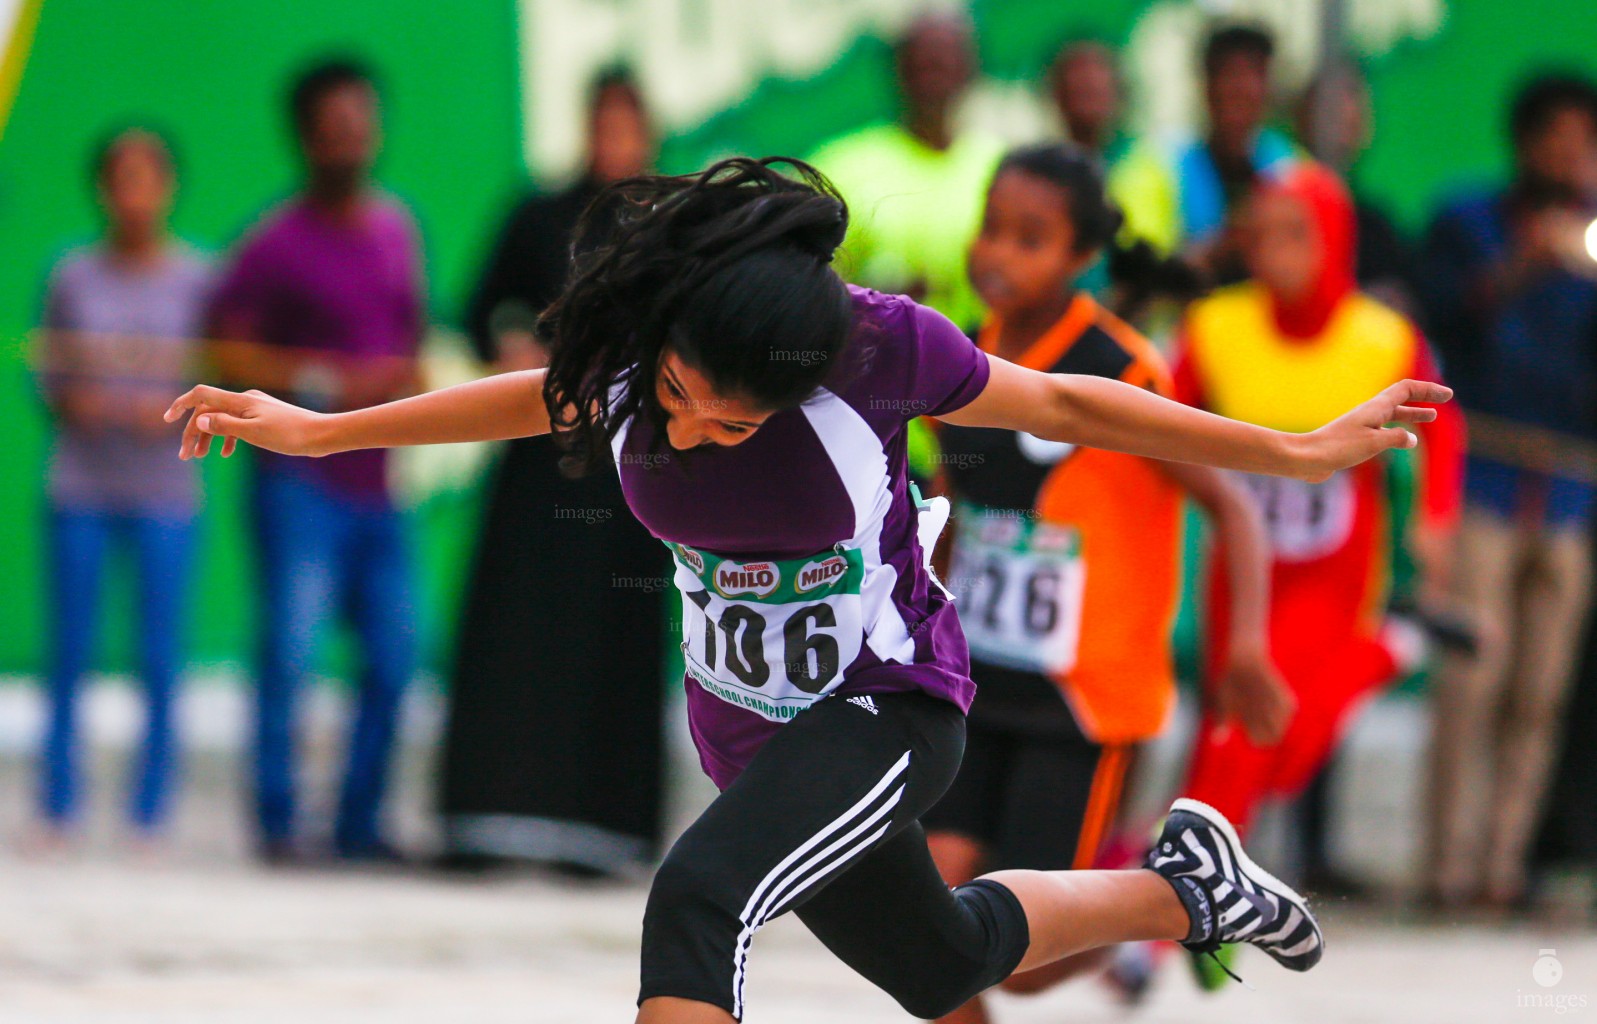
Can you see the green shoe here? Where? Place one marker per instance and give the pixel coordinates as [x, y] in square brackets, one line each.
[1212, 971]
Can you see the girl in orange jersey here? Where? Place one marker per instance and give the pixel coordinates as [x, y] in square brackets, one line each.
[1065, 562]
[1297, 342]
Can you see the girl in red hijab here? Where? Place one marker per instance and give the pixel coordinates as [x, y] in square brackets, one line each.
[1293, 346]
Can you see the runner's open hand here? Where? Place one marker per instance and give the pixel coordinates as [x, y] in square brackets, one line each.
[251, 416]
[1371, 428]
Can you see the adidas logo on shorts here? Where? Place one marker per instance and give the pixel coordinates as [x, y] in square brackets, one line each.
[866, 703]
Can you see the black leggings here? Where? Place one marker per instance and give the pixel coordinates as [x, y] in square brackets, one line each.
[824, 823]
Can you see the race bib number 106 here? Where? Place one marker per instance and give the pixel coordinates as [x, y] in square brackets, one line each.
[770, 636]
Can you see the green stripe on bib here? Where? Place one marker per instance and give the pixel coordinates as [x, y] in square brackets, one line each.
[1018, 530]
[815, 578]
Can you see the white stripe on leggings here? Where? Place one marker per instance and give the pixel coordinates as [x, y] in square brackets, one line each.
[772, 905]
[752, 918]
[859, 847]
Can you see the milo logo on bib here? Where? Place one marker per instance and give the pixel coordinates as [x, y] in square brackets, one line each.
[756, 578]
[1051, 538]
[819, 574]
[691, 558]
[1002, 530]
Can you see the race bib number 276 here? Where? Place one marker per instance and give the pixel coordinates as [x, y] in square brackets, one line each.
[1018, 585]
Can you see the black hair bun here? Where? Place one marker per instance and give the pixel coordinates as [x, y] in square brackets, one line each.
[825, 230]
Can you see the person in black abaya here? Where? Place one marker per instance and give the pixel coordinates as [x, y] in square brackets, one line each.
[553, 750]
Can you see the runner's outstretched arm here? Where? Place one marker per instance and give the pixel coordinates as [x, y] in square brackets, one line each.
[1102, 413]
[494, 408]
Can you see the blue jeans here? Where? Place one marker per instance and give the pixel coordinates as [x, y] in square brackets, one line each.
[80, 540]
[324, 554]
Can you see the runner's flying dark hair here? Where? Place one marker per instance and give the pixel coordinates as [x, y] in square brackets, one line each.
[729, 268]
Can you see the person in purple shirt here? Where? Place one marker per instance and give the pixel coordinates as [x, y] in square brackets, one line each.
[755, 407]
[323, 302]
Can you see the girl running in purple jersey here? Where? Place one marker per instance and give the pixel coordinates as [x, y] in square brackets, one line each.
[755, 406]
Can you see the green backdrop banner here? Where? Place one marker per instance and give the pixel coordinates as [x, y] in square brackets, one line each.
[461, 125]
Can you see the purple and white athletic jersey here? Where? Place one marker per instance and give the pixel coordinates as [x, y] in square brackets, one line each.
[802, 554]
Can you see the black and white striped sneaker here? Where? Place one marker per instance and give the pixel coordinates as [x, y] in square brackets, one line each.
[1228, 897]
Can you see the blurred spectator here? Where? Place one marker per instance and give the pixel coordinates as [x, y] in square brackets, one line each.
[1213, 174]
[1335, 124]
[1569, 821]
[324, 304]
[1084, 83]
[120, 322]
[914, 189]
[553, 750]
[1512, 294]
[1085, 86]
